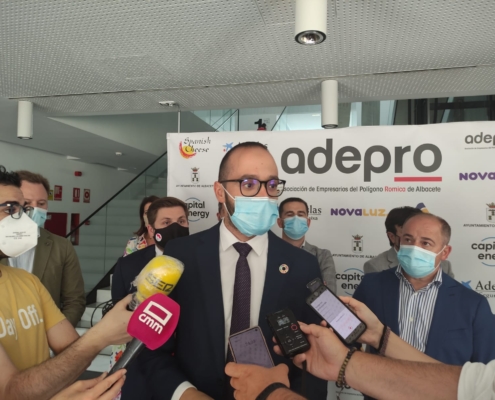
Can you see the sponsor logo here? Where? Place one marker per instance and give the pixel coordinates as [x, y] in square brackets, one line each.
[195, 174]
[190, 147]
[357, 244]
[197, 209]
[474, 176]
[467, 284]
[349, 280]
[490, 212]
[486, 251]
[314, 213]
[485, 288]
[228, 146]
[480, 141]
[155, 316]
[158, 283]
[158, 237]
[422, 207]
[345, 155]
[359, 212]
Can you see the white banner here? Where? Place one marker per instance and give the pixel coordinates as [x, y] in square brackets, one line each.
[352, 177]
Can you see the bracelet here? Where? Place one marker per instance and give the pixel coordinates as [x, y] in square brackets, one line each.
[380, 344]
[384, 342]
[269, 390]
[341, 379]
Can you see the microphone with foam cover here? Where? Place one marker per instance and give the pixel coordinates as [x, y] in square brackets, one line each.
[151, 325]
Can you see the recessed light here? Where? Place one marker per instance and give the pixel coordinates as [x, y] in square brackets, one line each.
[118, 153]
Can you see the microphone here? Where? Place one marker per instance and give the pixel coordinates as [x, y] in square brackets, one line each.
[151, 325]
[160, 275]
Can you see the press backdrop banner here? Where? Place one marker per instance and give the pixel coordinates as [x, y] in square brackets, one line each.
[352, 177]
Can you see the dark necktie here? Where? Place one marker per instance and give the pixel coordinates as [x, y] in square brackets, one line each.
[241, 306]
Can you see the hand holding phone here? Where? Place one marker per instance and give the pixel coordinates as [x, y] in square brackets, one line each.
[249, 347]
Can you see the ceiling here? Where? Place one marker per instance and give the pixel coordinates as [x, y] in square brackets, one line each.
[92, 57]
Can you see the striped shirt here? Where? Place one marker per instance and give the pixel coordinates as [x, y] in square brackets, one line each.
[416, 309]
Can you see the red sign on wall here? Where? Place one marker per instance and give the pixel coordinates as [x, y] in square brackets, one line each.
[86, 195]
[57, 193]
[76, 195]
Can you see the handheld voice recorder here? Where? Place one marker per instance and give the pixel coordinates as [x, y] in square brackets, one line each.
[287, 332]
[249, 347]
[338, 316]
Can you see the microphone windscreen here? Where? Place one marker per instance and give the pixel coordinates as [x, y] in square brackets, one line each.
[160, 275]
[154, 321]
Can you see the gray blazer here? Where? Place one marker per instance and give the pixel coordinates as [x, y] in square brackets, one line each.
[388, 259]
[327, 266]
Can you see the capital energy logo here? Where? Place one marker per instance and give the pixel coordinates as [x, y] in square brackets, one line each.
[197, 209]
[481, 141]
[349, 280]
[485, 251]
[347, 154]
[155, 316]
[357, 244]
[475, 176]
[195, 174]
[190, 147]
[359, 212]
[314, 212]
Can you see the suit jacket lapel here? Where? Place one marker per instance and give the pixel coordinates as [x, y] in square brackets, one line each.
[42, 253]
[208, 263]
[393, 261]
[274, 280]
[390, 295]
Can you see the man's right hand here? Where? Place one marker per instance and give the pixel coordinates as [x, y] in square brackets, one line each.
[101, 388]
[112, 329]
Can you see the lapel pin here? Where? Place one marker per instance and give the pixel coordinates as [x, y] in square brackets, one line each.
[284, 268]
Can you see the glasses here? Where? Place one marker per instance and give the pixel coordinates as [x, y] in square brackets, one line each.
[251, 187]
[15, 210]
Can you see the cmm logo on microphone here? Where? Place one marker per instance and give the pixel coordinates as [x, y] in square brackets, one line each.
[155, 316]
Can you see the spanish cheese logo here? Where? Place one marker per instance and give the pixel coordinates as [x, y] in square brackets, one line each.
[186, 151]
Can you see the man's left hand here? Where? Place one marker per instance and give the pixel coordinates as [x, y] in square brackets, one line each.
[250, 380]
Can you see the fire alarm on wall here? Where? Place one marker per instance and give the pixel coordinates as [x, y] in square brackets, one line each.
[78, 173]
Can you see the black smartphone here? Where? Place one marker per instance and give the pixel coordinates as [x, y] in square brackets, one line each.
[338, 316]
[287, 332]
[249, 347]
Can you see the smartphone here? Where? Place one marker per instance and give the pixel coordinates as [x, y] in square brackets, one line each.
[249, 347]
[338, 316]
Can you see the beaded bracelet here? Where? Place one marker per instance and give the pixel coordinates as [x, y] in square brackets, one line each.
[341, 379]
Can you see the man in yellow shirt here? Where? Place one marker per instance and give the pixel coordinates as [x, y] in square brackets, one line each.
[31, 323]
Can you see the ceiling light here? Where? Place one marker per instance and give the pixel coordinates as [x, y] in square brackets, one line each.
[72, 158]
[311, 21]
[121, 169]
[329, 104]
[25, 120]
[118, 153]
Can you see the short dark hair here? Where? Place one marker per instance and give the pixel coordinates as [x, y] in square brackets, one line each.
[223, 171]
[444, 225]
[220, 206]
[142, 226]
[32, 177]
[9, 178]
[164, 202]
[397, 217]
[291, 200]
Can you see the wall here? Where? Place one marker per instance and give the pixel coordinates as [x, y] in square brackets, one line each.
[102, 181]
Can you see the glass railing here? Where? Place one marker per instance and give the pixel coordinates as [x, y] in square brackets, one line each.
[101, 239]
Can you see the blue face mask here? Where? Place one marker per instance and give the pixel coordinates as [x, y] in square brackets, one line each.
[416, 261]
[295, 227]
[253, 216]
[38, 215]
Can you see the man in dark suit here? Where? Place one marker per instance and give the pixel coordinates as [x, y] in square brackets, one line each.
[393, 225]
[167, 219]
[426, 307]
[235, 274]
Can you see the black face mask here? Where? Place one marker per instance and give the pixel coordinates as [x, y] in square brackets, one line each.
[173, 231]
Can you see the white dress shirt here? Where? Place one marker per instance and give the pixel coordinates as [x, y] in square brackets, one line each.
[257, 259]
[477, 382]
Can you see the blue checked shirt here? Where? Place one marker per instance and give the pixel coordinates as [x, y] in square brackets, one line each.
[416, 310]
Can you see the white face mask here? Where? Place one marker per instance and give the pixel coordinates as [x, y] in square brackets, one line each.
[17, 235]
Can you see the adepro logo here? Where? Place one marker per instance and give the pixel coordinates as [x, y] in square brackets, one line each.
[474, 176]
[348, 154]
[359, 212]
[197, 209]
[485, 288]
[190, 147]
[486, 251]
[155, 316]
[481, 141]
[350, 279]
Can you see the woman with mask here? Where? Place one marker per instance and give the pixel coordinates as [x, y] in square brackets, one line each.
[142, 238]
